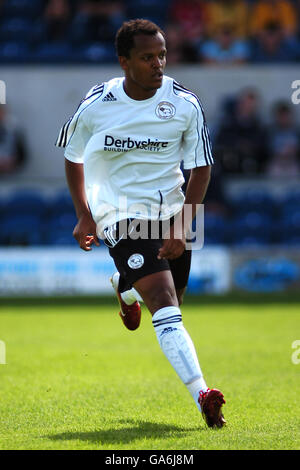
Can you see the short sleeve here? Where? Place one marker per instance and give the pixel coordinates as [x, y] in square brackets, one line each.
[196, 144]
[74, 135]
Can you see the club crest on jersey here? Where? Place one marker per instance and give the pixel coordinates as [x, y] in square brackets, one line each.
[135, 261]
[165, 110]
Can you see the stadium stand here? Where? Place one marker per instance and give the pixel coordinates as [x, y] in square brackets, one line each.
[47, 30]
[255, 218]
[65, 32]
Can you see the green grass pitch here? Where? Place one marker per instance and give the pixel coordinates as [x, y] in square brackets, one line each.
[75, 378]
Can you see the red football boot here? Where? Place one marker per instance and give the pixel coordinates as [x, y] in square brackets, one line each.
[130, 314]
[211, 403]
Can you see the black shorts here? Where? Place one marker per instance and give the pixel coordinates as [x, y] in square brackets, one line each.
[137, 258]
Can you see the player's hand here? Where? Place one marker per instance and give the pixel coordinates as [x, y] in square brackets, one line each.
[173, 245]
[85, 232]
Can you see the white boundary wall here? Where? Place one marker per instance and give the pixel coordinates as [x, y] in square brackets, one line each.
[70, 271]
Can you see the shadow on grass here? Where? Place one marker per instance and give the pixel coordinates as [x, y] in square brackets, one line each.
[124, 435]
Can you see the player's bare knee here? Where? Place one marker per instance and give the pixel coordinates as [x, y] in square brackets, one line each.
[161, 298]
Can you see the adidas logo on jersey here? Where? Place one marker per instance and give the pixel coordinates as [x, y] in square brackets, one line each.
[109, 97]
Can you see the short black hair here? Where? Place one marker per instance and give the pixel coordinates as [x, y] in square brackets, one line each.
[125, 36]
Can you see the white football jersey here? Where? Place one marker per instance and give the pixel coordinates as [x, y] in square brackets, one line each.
[132, 150]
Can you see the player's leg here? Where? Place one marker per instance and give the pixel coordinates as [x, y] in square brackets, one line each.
[174, 339]
[137, 263]
[211, 400]
[157, 290]
[159, 294]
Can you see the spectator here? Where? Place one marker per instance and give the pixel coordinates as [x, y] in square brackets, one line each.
[240, 141]
[98, 20]
[179, 51]
[297, 8]
[12, 147]
[284, 142]
[57, 17]
[279, 11]
[224, 49]
[231, 13]
[191, 16]
[272, 46]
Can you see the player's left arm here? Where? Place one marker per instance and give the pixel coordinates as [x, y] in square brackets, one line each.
[174, 245]
[198, 158]
[195, 192]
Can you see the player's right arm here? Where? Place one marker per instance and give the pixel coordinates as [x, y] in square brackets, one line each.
[85, 229]
[74, 136]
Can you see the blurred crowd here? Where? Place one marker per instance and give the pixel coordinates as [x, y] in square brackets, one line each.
[13, 151]
[198, 31]
[244, 143]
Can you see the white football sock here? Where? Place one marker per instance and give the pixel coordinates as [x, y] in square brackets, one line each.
[179, 349]
[131, 296]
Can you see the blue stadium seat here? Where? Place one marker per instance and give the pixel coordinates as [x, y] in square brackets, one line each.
[63, 221]
[254, 200]
[289, 226]
[16, 29]
[14, 52]
[25, 203]
[252, 228]
[56, 52]
[252, 222]
[96, 52]
[291, 202]
[292, 240]
[61, 203]
[20, 229]
[2, 206]
[215, 229]
[154, 10]
[60, 238]
[24, 8]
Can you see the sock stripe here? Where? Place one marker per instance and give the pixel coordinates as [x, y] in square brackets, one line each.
[168, 322]
[177, 315]
[163, 321]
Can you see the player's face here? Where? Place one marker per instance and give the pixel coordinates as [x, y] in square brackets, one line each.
[145, 66]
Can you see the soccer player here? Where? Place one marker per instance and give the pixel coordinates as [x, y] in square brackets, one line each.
[123, 150]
